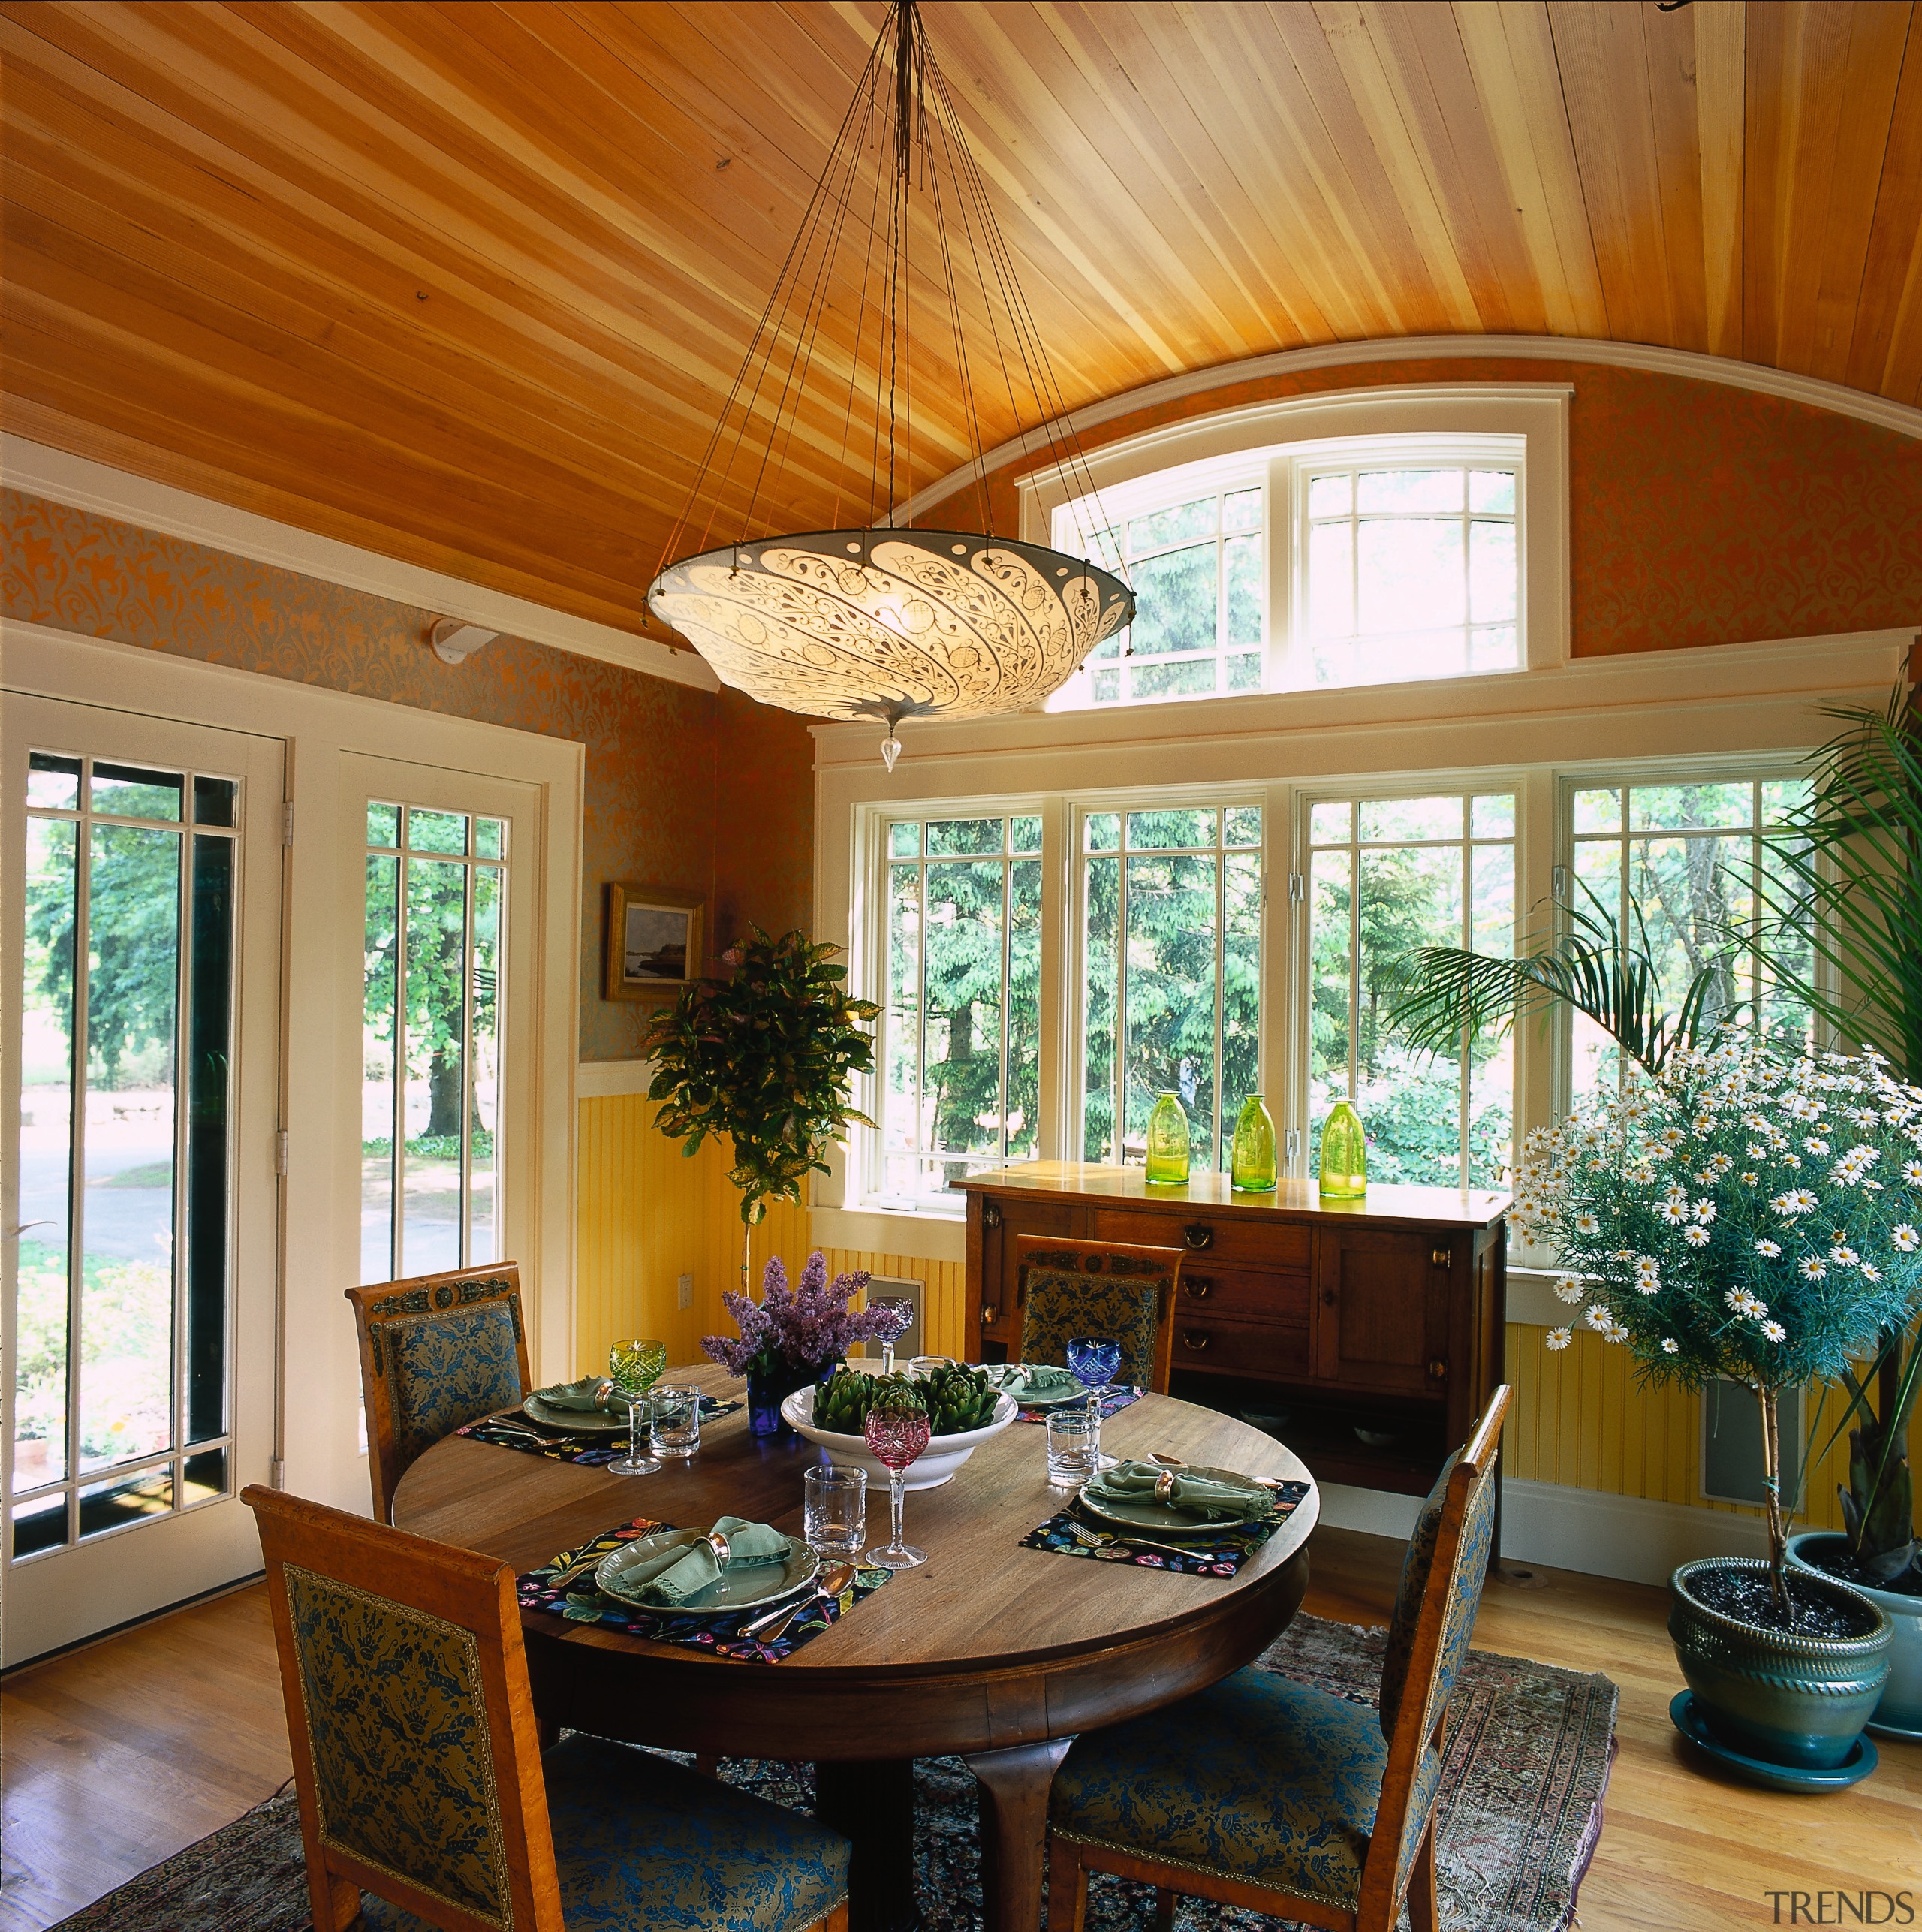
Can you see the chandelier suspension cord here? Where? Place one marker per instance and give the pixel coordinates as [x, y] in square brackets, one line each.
[775, 304]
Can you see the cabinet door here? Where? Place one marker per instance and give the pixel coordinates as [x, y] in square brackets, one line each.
[1381, 1310]
[1013, 1216]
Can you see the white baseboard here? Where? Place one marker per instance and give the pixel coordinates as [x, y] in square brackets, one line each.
[1585, 1530]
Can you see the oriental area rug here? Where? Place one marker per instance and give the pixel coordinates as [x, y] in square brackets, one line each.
[1529, 1751]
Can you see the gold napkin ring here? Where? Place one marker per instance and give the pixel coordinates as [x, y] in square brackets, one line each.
[603, 1390]
[718, 1543]
[1164, 1486]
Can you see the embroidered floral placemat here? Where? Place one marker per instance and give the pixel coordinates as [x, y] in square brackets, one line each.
[590, 1452]
[579, 1602]
[1116, 1398]
[1073, 1532]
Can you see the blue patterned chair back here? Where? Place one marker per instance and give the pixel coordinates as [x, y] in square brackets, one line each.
[415, 1754]
[1069, 1287]
[436, 1352]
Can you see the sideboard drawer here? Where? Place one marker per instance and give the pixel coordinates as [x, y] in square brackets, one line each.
[1239, 1348]
[1260, 1244]
[1241, 1294]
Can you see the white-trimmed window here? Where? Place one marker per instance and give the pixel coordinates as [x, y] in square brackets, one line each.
[1673, 862]
[1385, 876]
[1170, 989]
[960, 1042]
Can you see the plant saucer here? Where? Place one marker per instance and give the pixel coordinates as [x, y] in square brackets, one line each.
[1899, 1734]
[1686, 1715]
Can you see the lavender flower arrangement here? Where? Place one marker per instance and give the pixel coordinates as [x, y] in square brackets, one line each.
[804, 1328]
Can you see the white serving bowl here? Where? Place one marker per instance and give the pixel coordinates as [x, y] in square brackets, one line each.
[936, 1463]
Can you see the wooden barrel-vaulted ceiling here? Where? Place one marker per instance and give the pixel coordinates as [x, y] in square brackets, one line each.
[466, 283]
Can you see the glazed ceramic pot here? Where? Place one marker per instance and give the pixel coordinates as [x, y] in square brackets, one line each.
[1901, 1707]
[1789, 1700]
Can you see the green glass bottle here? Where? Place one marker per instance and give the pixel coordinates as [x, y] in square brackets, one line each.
[1167, 1143]
[1344, 1153]
[1253, 1170]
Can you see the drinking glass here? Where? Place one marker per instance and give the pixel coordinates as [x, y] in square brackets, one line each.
[1092, 1361]
[896, 1437]
[636, 1367]
[1074, 1438]
[674, 1426]
[834, 1510]
[900, 1312]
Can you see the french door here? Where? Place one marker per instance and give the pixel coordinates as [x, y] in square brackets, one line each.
[140, 996]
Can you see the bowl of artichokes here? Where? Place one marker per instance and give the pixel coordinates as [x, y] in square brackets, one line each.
[965, 1409]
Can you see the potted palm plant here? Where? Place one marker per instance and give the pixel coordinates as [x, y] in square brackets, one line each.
[1750, 1214]
[765, 1058]
[1843, 881]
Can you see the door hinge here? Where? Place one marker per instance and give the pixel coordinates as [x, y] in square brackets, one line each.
[1297, 886]
[277, 1473]
[1291, 1143]
[1561, 885]
[280, 1152]
[286, 822]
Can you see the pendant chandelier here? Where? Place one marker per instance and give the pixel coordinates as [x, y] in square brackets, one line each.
[882, 620]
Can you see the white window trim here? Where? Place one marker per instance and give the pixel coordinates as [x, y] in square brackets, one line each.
[1523, 424]
[1726, 708]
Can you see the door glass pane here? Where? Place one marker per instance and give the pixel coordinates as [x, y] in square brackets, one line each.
[209, 1055]
[126, 791]
[53, 782]
[1024, 1007]
[435, 831]
[110, 1506]
[1170, 998]
[127, 1274]
[214, 799]
[46, 1153]
[436, 956]
[1099, 981]
[380, 1044]
[483, 1142]
[1241, 988]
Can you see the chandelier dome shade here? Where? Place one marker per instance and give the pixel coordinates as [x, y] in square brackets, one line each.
[891, 623]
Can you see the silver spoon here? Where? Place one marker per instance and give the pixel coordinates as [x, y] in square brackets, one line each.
[831, 1585]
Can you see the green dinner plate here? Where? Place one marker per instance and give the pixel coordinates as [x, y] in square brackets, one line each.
[1169, 1522]
[576, 1421]
[749, 1588]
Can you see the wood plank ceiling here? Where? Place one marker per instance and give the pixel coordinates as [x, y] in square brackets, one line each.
[466, 283]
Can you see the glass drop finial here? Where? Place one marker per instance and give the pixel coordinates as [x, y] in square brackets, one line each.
[890, 750]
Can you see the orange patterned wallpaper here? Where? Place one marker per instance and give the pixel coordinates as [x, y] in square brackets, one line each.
[1700, 515]
[684, 790]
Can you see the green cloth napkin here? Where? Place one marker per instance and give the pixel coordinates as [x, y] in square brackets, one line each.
[1205, 1496]
[1038, 1378]
[577, 1397]
[675, 1574]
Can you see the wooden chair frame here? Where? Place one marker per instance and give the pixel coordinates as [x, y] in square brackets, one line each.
[464, 1588]
[382, 1302]
[1417, 1725]
[1028, 1247]
[476, 1593]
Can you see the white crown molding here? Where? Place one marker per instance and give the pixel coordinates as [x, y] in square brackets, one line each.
[86, 484]
[1900, 417]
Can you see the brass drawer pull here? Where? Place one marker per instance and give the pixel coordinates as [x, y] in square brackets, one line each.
[1438, 1370]
[1438, 1258]
[1200, 1287]
[1194, 1339]
[1198, 1235]
[989, 1312]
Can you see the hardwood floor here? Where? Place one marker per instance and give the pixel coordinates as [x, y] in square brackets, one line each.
[113, 1757]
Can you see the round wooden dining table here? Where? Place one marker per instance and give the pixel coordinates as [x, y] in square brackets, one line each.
[990, 1652]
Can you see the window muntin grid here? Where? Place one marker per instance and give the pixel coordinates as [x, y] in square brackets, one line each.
[432, 1044]
[960, 1045]
[1673, 862]
[1438, 869]
[123, 1305]
[1409, 570]
[1171, 906]
[1198, 567]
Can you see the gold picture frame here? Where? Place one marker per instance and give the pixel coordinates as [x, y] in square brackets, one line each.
[649, 933]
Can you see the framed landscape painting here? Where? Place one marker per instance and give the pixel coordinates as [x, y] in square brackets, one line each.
[654, 942]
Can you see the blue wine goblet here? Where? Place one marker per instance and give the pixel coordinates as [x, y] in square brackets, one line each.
[1092, 1361]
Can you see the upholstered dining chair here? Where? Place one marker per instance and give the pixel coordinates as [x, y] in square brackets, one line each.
[1268, 1794]
[1065, 1287]
[436, 1351]
[421, 1781]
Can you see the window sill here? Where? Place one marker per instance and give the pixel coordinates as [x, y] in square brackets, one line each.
[920, 1235]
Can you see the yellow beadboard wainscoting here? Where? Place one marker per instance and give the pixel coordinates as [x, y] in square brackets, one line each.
[1580, 1418]
[649, 1215]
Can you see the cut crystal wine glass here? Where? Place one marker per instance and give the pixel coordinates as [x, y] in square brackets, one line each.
[1092, 1361]
[900, 1312]
[896, 1434]
[635, 1367]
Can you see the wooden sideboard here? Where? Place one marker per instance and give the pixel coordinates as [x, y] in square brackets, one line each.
[1384, 1316]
